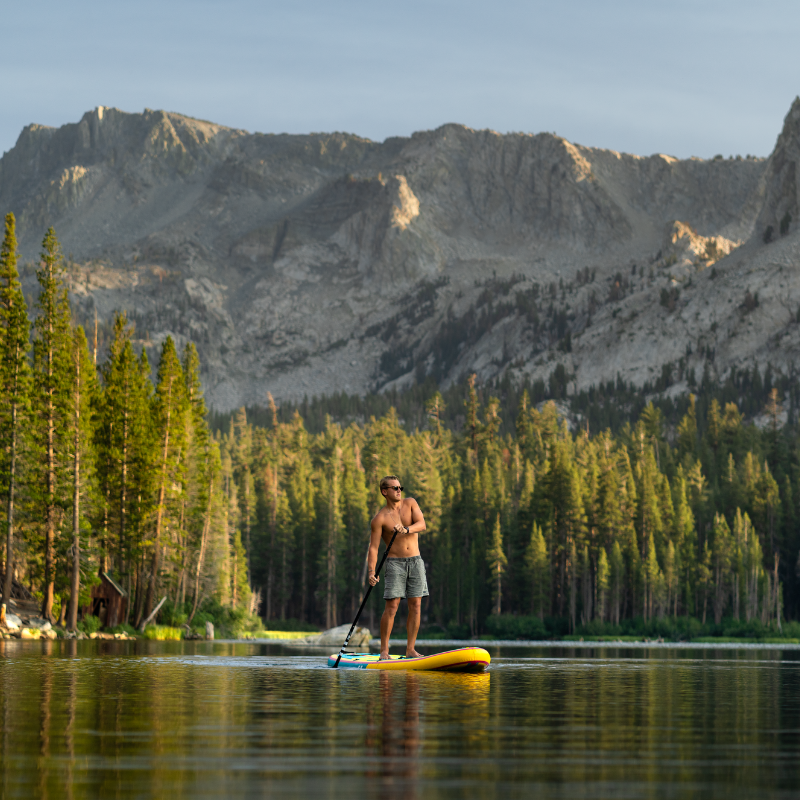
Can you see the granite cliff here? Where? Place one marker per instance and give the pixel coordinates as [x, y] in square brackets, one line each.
[310, 264]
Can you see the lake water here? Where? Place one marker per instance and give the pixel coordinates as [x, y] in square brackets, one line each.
[106, 719]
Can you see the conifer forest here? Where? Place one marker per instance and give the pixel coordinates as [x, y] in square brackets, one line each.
[105, 469]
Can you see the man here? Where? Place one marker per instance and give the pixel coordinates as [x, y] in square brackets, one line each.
[405, 570]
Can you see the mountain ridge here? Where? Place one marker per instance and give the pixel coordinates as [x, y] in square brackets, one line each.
[307, 264]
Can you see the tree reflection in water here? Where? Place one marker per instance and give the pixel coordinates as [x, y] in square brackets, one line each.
[393, 721]
[205, 720]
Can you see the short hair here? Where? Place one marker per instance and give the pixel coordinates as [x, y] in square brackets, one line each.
[388, 478]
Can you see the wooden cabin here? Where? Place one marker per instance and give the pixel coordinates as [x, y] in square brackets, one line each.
[109, 602]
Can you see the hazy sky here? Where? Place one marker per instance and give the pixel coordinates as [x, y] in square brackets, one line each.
[685, 78]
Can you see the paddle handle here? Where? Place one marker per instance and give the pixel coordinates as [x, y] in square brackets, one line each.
[364, 602]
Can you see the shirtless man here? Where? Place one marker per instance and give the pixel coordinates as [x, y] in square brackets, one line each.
[405, 570]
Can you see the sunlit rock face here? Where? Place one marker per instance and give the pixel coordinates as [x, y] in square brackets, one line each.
[308, 264]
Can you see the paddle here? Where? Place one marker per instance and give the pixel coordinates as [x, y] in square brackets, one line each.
[364, 602]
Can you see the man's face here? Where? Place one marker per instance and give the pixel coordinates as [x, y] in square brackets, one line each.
[392, 490]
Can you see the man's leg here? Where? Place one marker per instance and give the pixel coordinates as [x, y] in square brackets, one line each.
[412, 626]
[387, 622]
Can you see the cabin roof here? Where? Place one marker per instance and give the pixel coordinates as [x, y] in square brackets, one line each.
[115, 584]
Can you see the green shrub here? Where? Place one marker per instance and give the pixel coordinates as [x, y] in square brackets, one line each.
[688, 629]
[173, 615]
[123, 628]
[509, 626]
[791, 630]
[229, 623]
[89, 625]
[458, 631]
[163, 633]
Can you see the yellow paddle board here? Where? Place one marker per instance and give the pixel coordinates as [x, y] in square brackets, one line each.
[465, 659]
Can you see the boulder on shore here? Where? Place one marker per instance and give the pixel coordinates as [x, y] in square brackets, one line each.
[13, 622]
[335, 637]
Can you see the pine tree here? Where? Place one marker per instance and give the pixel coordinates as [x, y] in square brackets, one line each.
[355, 520]
[537, 564]
[685, 538]
[652, 572]
[127, 454]
[200, 477]
[650, 517]
[497, 563]
[602, 585]
[435, 408]
[284, 548]
[617, 581]
[240, 590]
[671, 577]
[704, 575]
[471, 405]
[213, 469]
[301, 502]
[721, 557]
[169, 409]
[687, 433]
[524, 426]
[15, 384]
[52, 369]
[330, 516]
[81, 430]
[124, 443]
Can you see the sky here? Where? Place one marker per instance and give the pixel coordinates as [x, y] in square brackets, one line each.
[693, 78]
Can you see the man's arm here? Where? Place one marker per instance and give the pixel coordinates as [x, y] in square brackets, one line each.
[374, 543]
[417, 520]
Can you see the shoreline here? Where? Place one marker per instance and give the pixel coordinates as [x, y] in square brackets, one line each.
[549, 644]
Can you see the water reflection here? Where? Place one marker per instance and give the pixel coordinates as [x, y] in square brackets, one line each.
[139, 719]
[393, 730]
[393, 720]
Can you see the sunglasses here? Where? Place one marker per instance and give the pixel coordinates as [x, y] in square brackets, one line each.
[395, 488]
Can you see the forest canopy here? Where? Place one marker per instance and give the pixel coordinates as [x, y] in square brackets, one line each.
[641, 511]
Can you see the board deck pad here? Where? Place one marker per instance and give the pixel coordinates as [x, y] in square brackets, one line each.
[465, 659]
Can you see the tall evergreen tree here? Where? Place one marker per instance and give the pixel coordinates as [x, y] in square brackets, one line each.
[52, 387]
[81, 429]
[169, 423]
[497, 563]
[15, 385]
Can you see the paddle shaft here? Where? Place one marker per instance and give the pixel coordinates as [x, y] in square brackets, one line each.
[364, 602]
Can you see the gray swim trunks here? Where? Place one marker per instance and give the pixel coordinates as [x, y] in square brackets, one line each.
[405, 577]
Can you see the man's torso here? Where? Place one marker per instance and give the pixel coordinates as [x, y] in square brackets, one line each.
[405, 545]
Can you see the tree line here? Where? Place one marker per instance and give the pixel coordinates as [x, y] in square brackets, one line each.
[102, 470]
[105, 470]
[543, 521]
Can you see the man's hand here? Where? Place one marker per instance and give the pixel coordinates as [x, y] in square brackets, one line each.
[373, 579]
[400, 529]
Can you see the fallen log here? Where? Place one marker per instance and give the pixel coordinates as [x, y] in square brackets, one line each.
[152, 614]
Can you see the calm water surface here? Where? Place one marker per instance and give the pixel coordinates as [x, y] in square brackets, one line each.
[195, 720]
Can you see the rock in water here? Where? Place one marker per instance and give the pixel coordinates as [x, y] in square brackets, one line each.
[209, 630]
[336, 636]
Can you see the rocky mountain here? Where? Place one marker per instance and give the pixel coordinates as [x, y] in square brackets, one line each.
[312, 264]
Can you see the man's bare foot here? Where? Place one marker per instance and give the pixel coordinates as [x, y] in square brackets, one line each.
[412, 653]
[384, 657]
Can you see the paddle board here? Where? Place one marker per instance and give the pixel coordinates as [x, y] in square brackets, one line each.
[465, 659]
